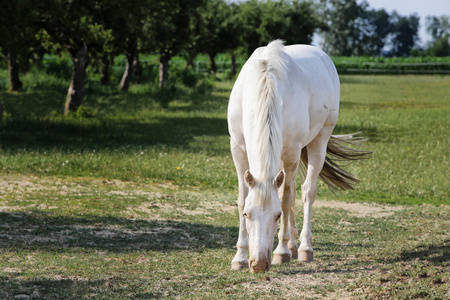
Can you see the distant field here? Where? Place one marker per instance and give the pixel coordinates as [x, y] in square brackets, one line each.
[127, 199]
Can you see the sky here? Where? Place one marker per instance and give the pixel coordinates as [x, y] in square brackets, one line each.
[422, 7]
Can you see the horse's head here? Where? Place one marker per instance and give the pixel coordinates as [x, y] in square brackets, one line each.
[262, 211]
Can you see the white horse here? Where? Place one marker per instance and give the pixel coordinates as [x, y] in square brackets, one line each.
[283, 107]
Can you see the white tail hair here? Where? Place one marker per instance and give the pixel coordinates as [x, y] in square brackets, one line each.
[267, 125]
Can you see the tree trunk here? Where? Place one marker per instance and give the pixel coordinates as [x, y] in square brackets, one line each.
[212, 60]
[137, 70]
[164, 70]
[126, 78]
[13, 69]
[233, 64]
[105, 74]
[76, 88]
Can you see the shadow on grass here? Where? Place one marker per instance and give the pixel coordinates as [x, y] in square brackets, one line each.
[433, 253]
[64, 288]
[39, 230]
[15, 287]
[73, 134]
[33, 119]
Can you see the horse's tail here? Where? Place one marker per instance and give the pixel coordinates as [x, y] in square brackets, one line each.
[270, 70]
[337, 151]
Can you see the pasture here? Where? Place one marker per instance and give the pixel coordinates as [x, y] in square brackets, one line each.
[129, 198]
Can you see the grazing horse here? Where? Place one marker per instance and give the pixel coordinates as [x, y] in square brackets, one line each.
[282, 109]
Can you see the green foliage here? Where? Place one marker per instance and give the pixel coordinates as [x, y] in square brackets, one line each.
[262, 21]
[354, 29]
[58, 66]
[405, 34]
[438, 27]
[440, 47]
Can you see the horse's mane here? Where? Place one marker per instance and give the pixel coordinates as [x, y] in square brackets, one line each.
[267, 126]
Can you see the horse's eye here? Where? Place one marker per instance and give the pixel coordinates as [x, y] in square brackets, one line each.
[245, 215]
[278, 217]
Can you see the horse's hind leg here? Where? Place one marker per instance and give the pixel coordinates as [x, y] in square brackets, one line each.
[240, 261]
[316, 157]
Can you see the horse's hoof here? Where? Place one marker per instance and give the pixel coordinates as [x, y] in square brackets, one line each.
[279, 259]
[239, 265]
[305, 255]
[294, 252]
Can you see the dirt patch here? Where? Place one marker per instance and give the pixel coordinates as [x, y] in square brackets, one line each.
[303, 286]
[360, 210]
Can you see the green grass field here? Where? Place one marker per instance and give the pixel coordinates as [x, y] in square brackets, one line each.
[128, 199]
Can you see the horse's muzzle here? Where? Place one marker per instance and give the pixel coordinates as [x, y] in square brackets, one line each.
[259, 266]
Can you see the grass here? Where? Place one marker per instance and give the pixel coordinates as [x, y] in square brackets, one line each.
[78, 238]
[129, 199]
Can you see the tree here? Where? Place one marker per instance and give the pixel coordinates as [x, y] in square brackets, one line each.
[439, 28]
[70, 25]
[17, 37]
[345, 25]
[104, 45]
[231, 34]
[127, 22]
[250, 17]
[405, 34]
[67, 24]
[301, 21]
[377, 27]
[294, 22]
[168, 25]
[211, 29]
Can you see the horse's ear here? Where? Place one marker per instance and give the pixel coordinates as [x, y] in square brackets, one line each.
[278, 181]
[249, 179]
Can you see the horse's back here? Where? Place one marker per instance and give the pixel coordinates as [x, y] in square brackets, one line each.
[313, 61]
[310, 94]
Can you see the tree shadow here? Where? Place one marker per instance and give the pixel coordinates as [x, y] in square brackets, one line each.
[432, 253]
[104, 133]
[33, 119]
[64, 288]
[40, 230]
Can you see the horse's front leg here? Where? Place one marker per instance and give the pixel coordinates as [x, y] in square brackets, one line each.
[287, 246]
[240, 260]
